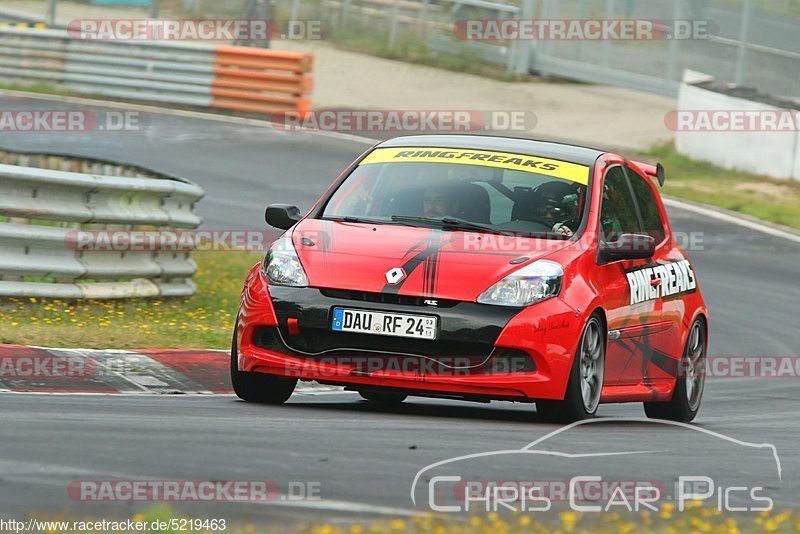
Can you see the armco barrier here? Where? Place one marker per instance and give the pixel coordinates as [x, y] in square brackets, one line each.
[196, 74]
[42, 207]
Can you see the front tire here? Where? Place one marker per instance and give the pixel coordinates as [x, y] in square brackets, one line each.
[689, 385]
[258, 387]
[585, 381]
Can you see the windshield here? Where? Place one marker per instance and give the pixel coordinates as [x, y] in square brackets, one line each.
[506, 192]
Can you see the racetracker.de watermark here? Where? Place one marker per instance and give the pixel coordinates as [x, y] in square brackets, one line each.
[582, 29]
[408, 120]
[70, 121]
[732, 120]
[749, 367]
[168, 240]
[192, 491]
[193, 30]
[260, 240]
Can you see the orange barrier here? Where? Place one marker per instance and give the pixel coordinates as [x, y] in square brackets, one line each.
[261, 80]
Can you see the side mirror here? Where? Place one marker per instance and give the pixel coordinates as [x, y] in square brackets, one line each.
[628, 247]
[282, 216]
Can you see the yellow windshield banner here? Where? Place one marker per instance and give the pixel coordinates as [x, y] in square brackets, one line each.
[504, 160]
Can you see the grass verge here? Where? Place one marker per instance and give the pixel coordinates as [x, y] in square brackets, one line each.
[204, 320]
[42, 88]
[769, 199]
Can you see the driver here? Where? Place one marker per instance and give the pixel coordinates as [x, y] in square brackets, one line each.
[439, 201]
[555, 204]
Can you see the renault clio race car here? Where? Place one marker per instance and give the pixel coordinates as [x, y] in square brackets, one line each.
[479, 268]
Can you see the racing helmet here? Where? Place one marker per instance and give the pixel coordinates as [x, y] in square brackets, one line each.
[556, 202]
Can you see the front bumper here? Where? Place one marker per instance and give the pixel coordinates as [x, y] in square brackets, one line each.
[482, 352]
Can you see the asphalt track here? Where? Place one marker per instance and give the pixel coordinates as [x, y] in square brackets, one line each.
[364, 458]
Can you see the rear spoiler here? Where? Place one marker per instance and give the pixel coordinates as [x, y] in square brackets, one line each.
[653, 171]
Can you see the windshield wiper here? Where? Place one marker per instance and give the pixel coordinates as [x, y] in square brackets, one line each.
[453, 223]
[363, 220]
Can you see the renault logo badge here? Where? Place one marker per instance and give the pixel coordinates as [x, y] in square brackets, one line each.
[395, 276]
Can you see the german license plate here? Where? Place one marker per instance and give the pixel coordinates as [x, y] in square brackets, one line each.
[384, 324]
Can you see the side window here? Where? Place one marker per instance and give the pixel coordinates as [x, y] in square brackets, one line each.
[651, 218]
[618, 212]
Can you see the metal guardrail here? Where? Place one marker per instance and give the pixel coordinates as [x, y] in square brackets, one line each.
[11, 16]
[42, 259]
[200, 75]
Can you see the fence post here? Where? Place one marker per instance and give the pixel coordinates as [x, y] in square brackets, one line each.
[743, 31]
[345, 12]
[393, 25]
[605, 51]
[520, 48]
[51, 12]
[422, 19]
[672, 50]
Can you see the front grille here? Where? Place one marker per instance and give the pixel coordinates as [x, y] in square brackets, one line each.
[467, 331]
[364, 362]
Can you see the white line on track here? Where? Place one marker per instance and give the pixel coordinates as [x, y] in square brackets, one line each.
[344, 506]
[733, 218]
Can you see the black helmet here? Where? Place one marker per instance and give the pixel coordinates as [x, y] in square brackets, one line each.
[556, 200]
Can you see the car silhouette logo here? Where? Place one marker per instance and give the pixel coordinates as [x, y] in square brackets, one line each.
[395, 276]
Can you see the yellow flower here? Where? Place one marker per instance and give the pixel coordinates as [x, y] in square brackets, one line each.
[568, 519]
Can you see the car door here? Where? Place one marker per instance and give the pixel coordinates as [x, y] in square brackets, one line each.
[630, 321]
[663, 350]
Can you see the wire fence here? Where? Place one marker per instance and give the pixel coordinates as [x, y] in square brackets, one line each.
[754, 43]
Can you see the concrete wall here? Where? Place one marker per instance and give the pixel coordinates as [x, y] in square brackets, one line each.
[774, 154]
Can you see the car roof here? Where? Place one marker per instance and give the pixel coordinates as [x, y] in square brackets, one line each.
[543, 149]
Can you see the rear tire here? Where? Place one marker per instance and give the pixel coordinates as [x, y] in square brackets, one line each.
[383, 398]
[585, 380]
[260, 388]
[685, 401]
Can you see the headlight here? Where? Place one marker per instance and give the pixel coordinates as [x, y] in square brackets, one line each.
[282, 267]
[533, 283]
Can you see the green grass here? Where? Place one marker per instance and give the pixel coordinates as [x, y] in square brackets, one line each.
[772, 200]
[204, 320]
[42, 88]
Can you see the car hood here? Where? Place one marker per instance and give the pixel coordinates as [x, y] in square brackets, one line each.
[440, 264]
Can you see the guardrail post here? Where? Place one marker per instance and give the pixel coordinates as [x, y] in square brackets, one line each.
[744, 29]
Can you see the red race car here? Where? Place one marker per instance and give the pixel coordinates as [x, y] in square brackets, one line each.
[479, 268]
